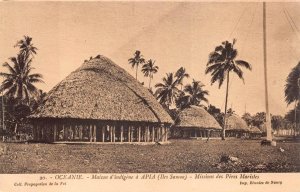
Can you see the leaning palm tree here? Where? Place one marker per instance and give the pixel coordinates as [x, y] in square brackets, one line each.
[292, 89]
[19, 81]
[180, 75]
[167, 91]
[194, 94]
[26, 46]
[136, 61]
[149, 69]
[221, 62]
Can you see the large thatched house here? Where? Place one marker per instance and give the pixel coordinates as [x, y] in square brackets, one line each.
[195, 122]
[236, 127]
[100, 102]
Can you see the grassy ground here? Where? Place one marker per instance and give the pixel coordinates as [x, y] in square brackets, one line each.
[179, 156]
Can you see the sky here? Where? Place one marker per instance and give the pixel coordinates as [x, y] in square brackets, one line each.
[174, 34]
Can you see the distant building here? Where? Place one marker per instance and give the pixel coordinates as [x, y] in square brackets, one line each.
[196, 122]
[236, 127]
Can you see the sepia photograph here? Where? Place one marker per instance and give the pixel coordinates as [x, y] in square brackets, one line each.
[149, 87]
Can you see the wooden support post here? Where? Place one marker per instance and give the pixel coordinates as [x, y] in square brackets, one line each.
[103, 134]
[114, 133]
[38, 132]
[64, 132]
[95, 133]
[80, 131]
[153, 134]
[110, 133]
[129, 133]
[91, 133]
[145, 134]
[165, 133]
[166, 139]
[54, 133]
[122, 133]
[148, 134]
[139, 134]
[70, 132]
[162, 134]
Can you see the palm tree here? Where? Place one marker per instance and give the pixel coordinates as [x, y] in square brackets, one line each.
[19, 82]
[136, 61]
[167, 92]
[180, 75]
[26, 46]
[292, 89]
[149, 69]
[221, 62]
[194, 94]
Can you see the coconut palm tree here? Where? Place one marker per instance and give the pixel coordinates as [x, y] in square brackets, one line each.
[149, 69]
[221, 62]
[136, 60]
[167, 91]
[292, 89]
[19, 81]
[194, 94]
[180, 75]
[26, 46]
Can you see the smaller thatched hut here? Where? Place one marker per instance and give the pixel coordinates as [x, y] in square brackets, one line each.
[236, 127]
[255, 132]
[195, 122]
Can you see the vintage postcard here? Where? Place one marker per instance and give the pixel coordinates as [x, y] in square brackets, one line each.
[149, 96]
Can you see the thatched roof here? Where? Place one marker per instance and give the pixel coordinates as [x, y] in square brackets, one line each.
[101, 90]
[255, 130]
[196, 117]
[234, 122]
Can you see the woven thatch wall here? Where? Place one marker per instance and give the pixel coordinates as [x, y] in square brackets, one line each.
[101, 90]
[234, 122]
[196, 117]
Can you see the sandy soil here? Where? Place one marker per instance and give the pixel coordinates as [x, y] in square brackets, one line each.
[178, 156]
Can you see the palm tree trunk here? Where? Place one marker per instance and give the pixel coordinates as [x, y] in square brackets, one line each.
[136, 72]
[226, 99]
[150, 82]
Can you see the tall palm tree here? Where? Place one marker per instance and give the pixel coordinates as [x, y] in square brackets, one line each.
[292, 89]
[19, 81]
[26, 46]
[136, 60]
[149, 69]
[180, 75]
[194, 94]
[167, 91]
[221, 62]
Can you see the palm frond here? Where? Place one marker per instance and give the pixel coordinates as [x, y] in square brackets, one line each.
[243, 64]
